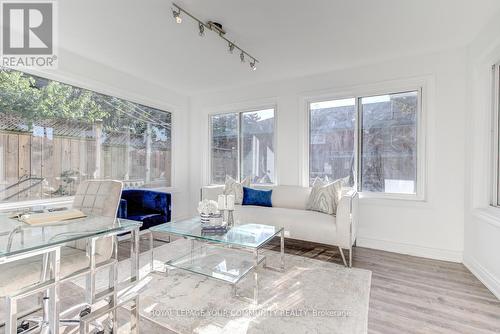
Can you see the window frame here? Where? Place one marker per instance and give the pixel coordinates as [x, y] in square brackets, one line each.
[357, 95]
[239, 112]
[102, 89]
[495, 146]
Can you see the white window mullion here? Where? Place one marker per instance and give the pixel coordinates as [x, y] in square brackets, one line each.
[357, 141]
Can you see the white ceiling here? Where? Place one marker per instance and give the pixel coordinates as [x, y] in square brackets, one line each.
[290, 38]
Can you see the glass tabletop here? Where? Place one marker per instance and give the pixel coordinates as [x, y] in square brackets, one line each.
[244, 235]
[18, 237]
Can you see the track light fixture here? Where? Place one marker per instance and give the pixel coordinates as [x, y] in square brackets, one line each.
[216, 28]
[252, 65]
[201, 27]
[177, 16]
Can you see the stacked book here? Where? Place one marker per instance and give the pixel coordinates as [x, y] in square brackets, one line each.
[214, 229]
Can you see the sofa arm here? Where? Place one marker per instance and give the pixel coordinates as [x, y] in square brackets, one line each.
[347, 218]
[211, 192]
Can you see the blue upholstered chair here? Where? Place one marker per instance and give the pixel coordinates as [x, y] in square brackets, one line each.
[150, 207]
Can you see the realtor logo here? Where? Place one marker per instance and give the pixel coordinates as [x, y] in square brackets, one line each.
[28, 34]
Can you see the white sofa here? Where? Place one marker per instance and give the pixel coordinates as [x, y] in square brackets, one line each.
[289, 211]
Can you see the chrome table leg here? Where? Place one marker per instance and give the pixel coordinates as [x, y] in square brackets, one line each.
[282, 249]
[134, 256]
[53, 311]
[256, 277]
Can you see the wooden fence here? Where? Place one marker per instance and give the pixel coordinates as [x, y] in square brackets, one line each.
[24, 155]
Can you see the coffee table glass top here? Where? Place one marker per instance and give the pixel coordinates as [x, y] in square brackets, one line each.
[243, 235]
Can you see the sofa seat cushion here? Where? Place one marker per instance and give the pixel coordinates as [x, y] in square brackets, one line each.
[299, 224]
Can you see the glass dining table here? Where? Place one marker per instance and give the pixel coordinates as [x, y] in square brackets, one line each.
[20, 241]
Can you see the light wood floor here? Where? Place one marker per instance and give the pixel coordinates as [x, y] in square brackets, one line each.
[410, 294]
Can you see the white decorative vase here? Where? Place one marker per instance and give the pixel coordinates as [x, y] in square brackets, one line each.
[205, 219]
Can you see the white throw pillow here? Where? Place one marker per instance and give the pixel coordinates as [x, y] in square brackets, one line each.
[233, 187]
[325, 196]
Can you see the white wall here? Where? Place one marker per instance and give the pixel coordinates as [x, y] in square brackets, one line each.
[431, 228]
[482, 222]
[85, 73]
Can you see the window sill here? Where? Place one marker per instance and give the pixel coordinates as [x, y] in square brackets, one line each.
[397, 197]
[26, 204]
[489, 214]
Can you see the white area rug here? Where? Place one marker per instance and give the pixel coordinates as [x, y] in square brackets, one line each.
[311, 296]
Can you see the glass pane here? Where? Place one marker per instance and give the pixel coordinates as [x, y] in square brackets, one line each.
[257, 145]
[224, 130]
[54, 135]
[331, 142]
[389, 143]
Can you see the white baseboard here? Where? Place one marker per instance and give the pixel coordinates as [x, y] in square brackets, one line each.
[410, 249]
[488, 279]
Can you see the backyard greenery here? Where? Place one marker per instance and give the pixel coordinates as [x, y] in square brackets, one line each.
[33, 99]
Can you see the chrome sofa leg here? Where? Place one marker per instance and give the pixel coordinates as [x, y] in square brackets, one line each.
[343, 257]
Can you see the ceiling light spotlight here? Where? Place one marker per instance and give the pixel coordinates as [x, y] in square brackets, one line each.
[242, 57]
[231, 47]
[252, 65]
[177, 15]
[201, 26]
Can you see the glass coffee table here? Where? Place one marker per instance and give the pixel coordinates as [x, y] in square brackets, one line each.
[228, 257]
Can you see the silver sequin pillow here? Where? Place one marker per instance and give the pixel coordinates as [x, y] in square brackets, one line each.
[233, 187]
[325, 196]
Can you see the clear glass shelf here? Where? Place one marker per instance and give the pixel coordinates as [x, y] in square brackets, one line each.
[226, 264]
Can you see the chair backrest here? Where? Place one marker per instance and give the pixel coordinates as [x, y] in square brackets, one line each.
[98, 198]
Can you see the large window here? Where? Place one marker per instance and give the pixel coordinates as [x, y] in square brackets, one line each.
[331, 144]
[242, 146]
[371, 140]
[53, 136]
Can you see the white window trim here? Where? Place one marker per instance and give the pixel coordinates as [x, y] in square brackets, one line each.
[495, 163]
[240, 111]
[417, 84]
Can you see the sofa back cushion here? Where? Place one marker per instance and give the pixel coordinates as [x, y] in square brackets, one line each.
[290, 197]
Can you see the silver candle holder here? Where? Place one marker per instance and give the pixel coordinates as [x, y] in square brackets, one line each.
[230, 218]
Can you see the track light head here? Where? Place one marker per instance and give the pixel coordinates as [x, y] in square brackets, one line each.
[177, 16]
[201, 27]
[252, 65]
[242, 57]
[231, 47]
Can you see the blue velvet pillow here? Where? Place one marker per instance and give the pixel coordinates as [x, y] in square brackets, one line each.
[257, 197]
